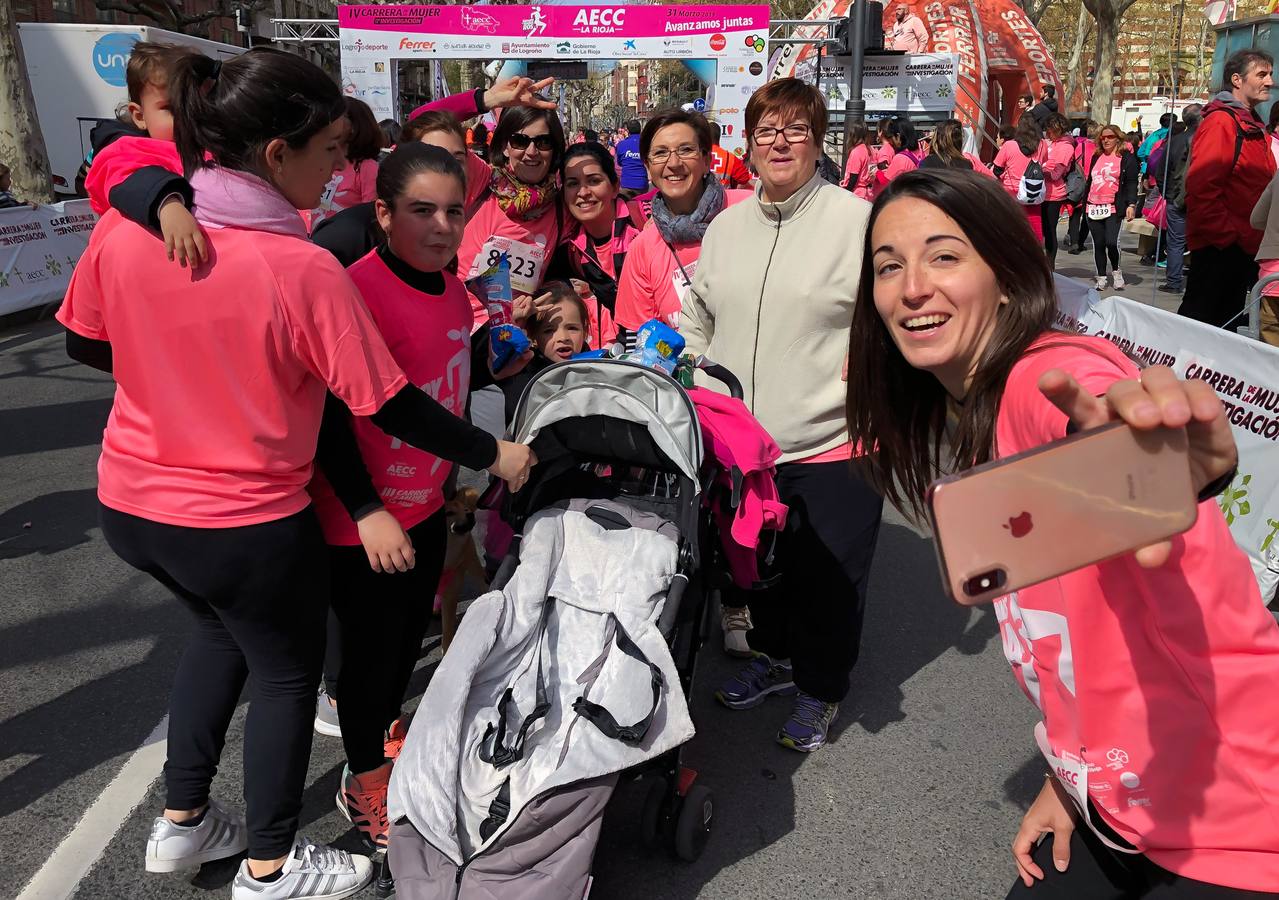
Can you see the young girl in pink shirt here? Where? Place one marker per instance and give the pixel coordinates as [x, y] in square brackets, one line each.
[209, 447]
[1156, 673]
[356, 181]
[857, 171]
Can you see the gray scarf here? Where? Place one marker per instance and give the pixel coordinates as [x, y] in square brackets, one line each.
[690, 229]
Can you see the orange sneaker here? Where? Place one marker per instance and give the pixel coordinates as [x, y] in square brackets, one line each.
[362, 799]
[395, 736]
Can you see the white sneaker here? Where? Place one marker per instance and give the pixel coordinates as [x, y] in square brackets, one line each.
[172, 848]
[1101, 283]
[326, 715]
[736, 621]
[311, 872]
[1117, 278]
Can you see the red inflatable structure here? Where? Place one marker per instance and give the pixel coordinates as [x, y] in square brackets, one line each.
[1001, 53]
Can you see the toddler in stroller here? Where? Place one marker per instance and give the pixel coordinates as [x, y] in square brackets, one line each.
[574, 669]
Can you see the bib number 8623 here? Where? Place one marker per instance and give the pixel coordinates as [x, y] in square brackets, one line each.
[520, 266]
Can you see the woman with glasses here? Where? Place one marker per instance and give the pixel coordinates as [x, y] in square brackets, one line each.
[520, 213]
[773, 300]
[661, 262]
[1112, 198]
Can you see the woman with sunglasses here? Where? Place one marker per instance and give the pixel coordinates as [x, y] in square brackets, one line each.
[772, 300]
[676, 148]
[519, 213]
[1112, 199]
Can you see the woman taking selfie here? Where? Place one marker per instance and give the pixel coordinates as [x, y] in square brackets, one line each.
[1156, 673]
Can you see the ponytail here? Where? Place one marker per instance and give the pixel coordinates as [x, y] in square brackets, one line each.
[231, 109]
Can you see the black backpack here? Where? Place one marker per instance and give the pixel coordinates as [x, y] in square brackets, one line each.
[1030, 189]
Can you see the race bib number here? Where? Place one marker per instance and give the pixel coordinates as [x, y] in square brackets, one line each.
[330, 191]
[528, 262]
[683, 285]
[1100, 211]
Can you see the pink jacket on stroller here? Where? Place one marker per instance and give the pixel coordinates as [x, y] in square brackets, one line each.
[745, 456]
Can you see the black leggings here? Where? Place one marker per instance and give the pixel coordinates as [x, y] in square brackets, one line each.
[814, 615]
[1049, 216]
[1096, 872]
[1077, 231]
[258, 594]
[382, 619]
[1105, 241]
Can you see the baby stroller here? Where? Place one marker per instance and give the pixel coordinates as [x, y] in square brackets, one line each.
[570, 682]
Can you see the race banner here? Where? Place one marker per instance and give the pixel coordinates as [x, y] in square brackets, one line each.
[38, 249]
[913, 83]
[1244, 373]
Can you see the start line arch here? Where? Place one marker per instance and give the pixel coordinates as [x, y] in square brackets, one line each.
[734, 38]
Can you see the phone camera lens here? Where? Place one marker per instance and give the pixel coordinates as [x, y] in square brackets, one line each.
[984, 582]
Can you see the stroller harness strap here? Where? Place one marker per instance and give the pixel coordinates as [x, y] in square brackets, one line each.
[602, 719]
[496, 753]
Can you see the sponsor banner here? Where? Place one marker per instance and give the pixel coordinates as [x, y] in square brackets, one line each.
[1244, 373]
[913, 83]
[38, 249]
[734, 37]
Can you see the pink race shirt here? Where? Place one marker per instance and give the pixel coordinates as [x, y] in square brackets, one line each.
[351, 185]
[1159, 688]
[221, 371]
[656, 280]
[857, 176]
[1057, 162]
[1014, 164]
[430, 338]
[1104, 183]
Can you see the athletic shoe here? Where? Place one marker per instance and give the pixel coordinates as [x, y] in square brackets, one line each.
[808, 724]
[1117, 279]
[1075, 251]
[1147, 260]
[172, 848]
[736, 621]
[1162, 264]
[394, 742]
[311, 872]
[362, 799]
[1169, 288]
[326, 715]
[751, 686]
[1100, 283]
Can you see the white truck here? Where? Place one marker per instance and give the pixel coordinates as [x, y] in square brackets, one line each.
[77, 77]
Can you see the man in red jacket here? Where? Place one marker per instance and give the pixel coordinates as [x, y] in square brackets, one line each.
[1230, 166]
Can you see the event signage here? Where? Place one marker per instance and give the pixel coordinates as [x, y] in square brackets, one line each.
[372, 38]
[38, 249]
[1243, 372]
[909, 83]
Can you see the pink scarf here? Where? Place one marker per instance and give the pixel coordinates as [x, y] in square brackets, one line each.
[228, 198]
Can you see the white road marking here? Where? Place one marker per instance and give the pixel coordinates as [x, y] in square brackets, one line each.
[59, 877]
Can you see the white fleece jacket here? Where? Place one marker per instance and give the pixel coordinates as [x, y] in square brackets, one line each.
[772, 300]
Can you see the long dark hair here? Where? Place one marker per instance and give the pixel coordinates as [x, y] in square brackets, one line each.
[521, 117]
[901, 128]
[1028, 135]
[407, 160]
[233, 109]
[901, 410]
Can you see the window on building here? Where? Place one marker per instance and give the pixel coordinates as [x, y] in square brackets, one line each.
[106, 16]
[63, 10]
[24, 10]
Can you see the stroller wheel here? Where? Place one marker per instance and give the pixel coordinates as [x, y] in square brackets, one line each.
[653, 816]
[694, 825]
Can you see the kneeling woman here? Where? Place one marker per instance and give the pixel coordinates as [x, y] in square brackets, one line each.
[1156, 673]
[382, 590]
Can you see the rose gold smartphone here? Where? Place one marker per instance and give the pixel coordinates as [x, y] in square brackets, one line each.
[1027, 518]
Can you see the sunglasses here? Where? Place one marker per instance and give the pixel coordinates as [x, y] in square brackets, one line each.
[520, 141]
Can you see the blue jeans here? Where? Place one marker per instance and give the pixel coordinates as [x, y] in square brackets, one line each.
[1176, 244]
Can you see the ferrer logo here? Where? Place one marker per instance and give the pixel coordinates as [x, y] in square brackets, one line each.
[421, 46]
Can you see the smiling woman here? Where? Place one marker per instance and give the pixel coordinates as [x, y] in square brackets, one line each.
[1132, 661]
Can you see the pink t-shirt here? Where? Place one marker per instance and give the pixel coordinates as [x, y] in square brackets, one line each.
[1104, 179]
[653, 283]
[1057, 162]
[351, 185]
[430, 338]
[1014, 164]
[1159, 688]
[858, 174]
[221, 371]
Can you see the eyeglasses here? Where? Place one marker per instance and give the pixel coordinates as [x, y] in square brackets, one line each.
[795, 133]
[687, 152]
[520, 141]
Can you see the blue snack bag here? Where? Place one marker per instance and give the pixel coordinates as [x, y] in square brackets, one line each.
[493, 286]
[658, 346]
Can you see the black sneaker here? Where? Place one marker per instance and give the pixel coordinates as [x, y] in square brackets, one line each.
[1169, 288]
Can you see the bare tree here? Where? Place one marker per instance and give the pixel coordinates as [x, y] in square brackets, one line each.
[1035, 9]
[1108, 14]
[21, 142]
[1083, 31]
[171, 14]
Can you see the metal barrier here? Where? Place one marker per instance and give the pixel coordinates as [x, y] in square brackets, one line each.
[1253, 309]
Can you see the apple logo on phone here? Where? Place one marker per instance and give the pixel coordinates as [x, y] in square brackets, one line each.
[1020, 526]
